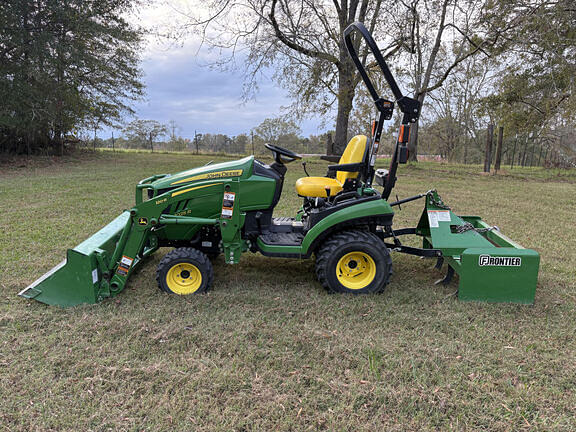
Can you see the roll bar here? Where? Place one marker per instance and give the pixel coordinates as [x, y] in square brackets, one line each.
[410, 107]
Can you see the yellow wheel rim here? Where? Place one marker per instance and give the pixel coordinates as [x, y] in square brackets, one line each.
[184, 278]
[356, 270]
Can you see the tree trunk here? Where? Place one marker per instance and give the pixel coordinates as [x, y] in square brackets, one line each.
[329, 144]
[345, 98]
[524, 153]
[413, 142]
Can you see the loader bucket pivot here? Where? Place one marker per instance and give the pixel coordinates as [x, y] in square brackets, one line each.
[78, 279]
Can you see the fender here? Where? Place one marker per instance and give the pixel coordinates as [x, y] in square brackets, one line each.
[376, 208]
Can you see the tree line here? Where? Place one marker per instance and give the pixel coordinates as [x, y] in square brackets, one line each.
[64, 66]
[470, 63]
[155, 136]
[440, 142]
[69, 67]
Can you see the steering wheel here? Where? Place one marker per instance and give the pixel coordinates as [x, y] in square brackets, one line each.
[282, 155]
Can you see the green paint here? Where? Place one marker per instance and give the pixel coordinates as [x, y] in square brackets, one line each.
[279, 249]
[244, 164]
[497, 282]
[100, 266]
[78, 279]
[365, 209]
[503, 283]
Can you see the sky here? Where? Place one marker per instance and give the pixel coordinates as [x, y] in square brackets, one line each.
[181, 87]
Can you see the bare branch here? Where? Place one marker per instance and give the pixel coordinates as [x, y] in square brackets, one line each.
[293, 45]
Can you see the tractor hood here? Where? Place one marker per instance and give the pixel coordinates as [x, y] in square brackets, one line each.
[237, 168]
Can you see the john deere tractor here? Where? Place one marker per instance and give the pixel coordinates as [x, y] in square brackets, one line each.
[345, 222]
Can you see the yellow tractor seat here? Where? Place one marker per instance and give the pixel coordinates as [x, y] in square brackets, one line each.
[317, 186]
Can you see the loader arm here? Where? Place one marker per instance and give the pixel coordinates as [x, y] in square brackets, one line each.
[100, 266]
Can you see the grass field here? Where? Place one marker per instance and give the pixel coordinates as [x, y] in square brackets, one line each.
[267, 348]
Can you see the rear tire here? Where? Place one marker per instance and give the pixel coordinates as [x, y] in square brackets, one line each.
[354, 262]
[185, 271]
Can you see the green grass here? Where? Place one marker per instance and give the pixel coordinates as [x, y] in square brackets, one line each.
[267, 348]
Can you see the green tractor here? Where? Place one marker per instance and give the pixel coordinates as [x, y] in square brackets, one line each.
[345, 222]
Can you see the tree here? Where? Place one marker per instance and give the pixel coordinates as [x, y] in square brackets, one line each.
[144, 132]
[303, 41]
[63, 64]
[172, 126]
[241, 144]
[455, 112]
[277, 132]
[445, 33]
[536, 90]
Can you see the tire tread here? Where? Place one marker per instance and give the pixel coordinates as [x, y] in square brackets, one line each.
[331, 246]
[188, 253]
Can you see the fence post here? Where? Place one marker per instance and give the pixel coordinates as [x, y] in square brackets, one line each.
[488, 154]
[329, 144]
[499, 148]
[514, 151]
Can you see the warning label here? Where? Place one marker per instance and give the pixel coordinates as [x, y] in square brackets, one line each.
[228, 205]
[94, 276]
[435, 216]
[443, 215]
[124, 266]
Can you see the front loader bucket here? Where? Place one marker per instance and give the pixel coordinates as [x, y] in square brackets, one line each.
[78, 278]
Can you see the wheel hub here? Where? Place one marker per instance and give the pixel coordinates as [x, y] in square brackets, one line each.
[184, 278]
[356, 270]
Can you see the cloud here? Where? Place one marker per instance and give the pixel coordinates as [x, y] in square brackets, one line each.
[181, 87]
[201, 99]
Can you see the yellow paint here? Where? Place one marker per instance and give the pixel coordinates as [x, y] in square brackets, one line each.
[212, 175]
[316, 186]
[191, 189]
[184, 279]
[356, 270]
[354, 153]
[183, 212]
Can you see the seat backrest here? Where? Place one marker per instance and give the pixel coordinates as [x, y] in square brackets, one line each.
[355, 153]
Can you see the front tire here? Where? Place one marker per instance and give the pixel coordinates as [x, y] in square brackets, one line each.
[185, 271]
[354, 262]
